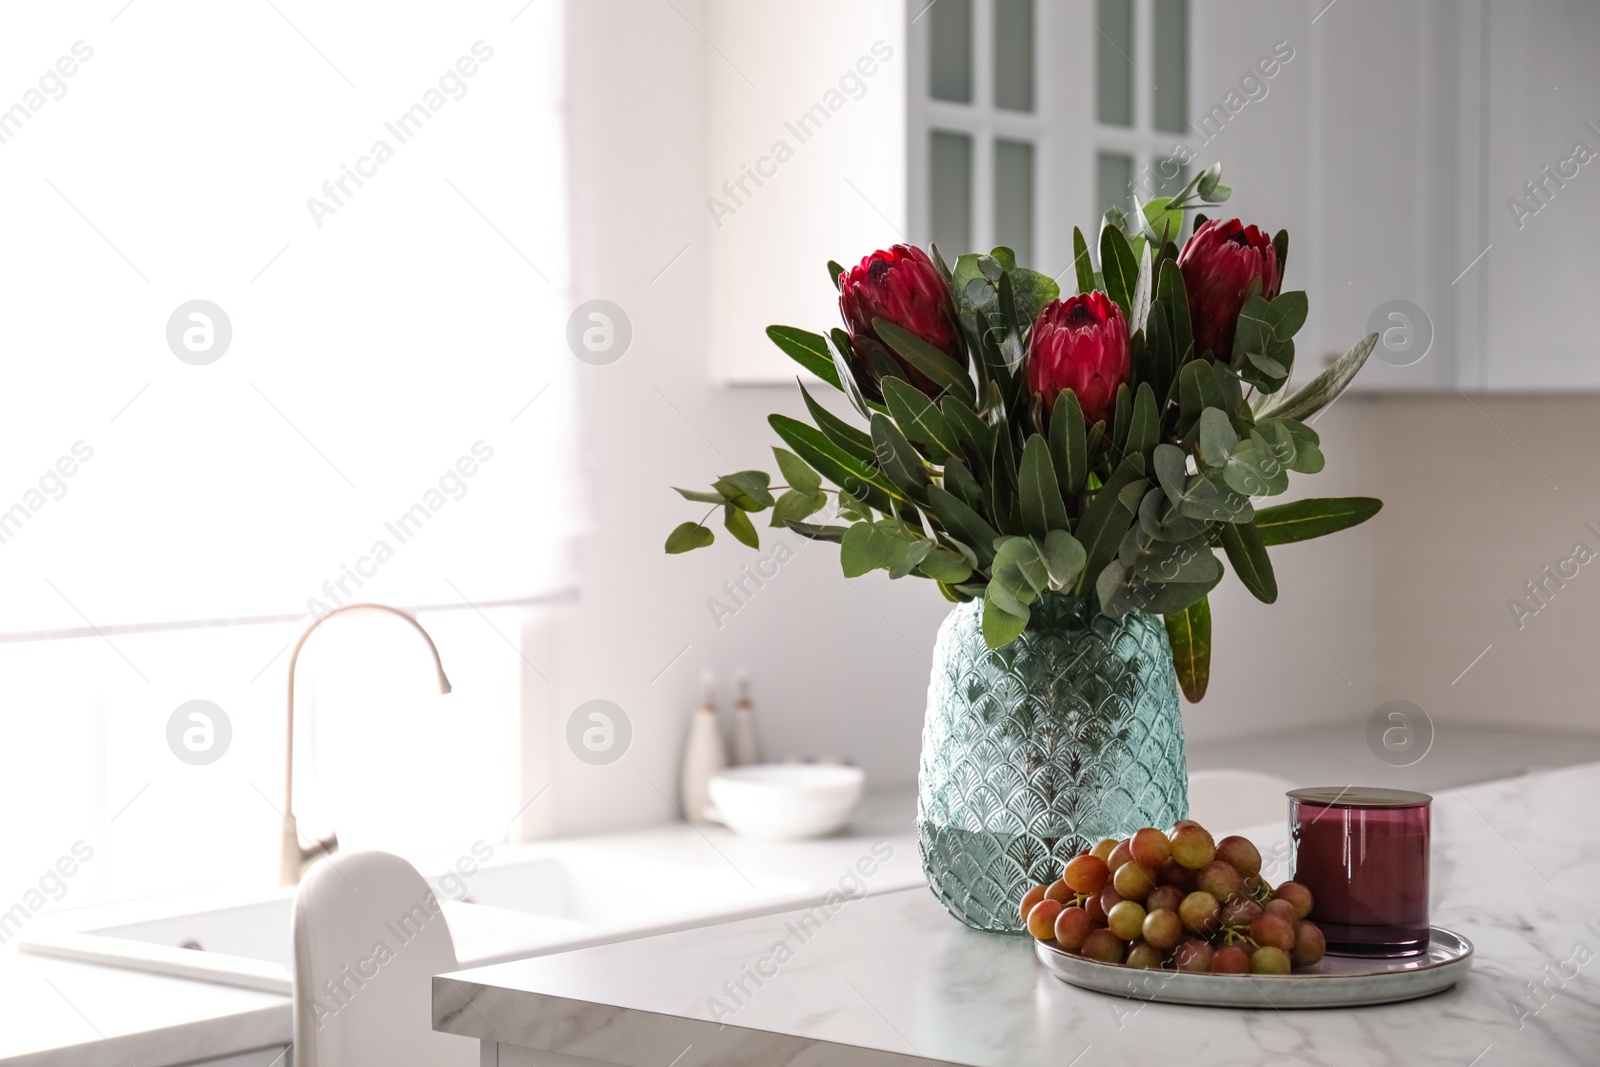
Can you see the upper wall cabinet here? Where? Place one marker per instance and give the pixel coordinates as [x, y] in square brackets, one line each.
[1430, 159]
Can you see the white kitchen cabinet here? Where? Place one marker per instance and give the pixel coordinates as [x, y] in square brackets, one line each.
[264, 1057]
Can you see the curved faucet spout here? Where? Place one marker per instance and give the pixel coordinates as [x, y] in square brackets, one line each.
[294, 857]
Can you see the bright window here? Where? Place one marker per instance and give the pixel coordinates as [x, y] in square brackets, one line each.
[366, 205]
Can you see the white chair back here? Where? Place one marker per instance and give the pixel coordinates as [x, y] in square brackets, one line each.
[1226, 801]
[369, 936]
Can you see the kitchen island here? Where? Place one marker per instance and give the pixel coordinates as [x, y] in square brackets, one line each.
[887, 978]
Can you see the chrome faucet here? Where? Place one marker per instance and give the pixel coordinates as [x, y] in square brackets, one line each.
[294, 857]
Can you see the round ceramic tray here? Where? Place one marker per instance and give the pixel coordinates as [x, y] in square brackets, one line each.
[1336, 981]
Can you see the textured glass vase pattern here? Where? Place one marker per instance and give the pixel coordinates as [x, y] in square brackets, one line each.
[1031, 752]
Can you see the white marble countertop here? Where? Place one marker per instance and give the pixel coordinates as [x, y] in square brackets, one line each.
[55, 1012]
[891, 979]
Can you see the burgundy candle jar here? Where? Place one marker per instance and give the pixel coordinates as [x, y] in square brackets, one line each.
[1363, 853]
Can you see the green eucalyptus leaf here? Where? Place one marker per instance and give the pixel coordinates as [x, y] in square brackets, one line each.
[738, 523]
[945, 567]
[1163, 522]
[747, 489]
[1033, 291]
[1287, 313]
[1217, 437]
[912, 559]
[818, 532]
[796, 472]
[1002, 625]
[1208, 498]
[797, 504]
[700, 497]
[1172, 470]
[687, 536]
[870, 546]
[1063, 557]
[851, 508]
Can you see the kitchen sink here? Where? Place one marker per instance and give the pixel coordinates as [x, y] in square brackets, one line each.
[509, 911]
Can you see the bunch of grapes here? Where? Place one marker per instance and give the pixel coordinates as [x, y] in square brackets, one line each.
[1176, 902]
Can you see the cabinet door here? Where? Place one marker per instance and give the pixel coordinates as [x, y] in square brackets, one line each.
[1540, 106]
[265, 1057]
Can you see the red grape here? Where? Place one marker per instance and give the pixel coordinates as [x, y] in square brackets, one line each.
[1220, 880]
[1163, 929]
[1240, 912]
[1193, 957]
[1309, 945]
[1030, 898]
[1269, 960]
[1151, 847]
[1134, 880]
[1273, 930]
[1126, 920]
[1230, 960]
[1059, 892]
[1164, 896]
[1120, 855]
[1283, 908]
[1192, 846]
[1087, 874]
[1042, 919]
[1072, 926]
[1239, 853]
[1103, 945]
[1176, 874]
[1103, 849]
[1295, 894]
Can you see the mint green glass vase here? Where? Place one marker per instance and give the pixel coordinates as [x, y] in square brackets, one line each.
[1034, 751]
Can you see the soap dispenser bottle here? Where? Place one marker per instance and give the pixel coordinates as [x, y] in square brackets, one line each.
[745, 749]
[703, 753]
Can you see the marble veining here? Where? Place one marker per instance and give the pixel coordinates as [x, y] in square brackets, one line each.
[890, 979]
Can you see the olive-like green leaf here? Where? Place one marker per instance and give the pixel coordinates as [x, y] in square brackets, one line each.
[1081, 262]
[807, 349]
[1121, 593]
[843, 359]
[1144, 427]
[835, 464]
[700, 497]
[1322, 390]
[1042, 507]
[1002, 625]
[1175, 302]
[1120, 269]
[960, 481]
[738, 523]
[974, 435]
[1315, 517]
[687, 536]
[1143, 285]
[943, 371]
[796, 472]
[1169, 561]
[1189, 634]
[1197, 390]
[1106, 517]
[835, 273]
[1280, 245]
[919, 419]
[963, 523]
[1121, 415]
[746, 489]
[897, 459]
[854, 441]
[1069, 442]
[1242, 541]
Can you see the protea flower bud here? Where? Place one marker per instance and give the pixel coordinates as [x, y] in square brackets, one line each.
[903, 286]
[1081, 344]
[1218, 263]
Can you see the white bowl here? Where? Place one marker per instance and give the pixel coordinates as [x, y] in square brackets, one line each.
[786, 801]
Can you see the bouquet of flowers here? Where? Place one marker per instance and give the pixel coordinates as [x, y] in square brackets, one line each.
[1013, 443]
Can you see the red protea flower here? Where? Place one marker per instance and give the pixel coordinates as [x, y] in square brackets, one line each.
[903, 286]
[1218, 263]
[1081, 344]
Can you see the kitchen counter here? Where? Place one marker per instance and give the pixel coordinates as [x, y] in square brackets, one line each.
[889, 979]
[55, 1012]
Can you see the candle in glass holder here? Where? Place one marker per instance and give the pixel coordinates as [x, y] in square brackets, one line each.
[1363, 853]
